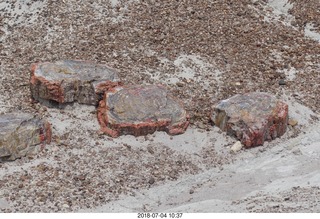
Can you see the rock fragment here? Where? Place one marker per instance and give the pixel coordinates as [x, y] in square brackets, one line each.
[141, 110]
[151, 181]
[236, 147]
[22, 134]
[70, 81]
[252, 118]
[282, 82]
[292, 122]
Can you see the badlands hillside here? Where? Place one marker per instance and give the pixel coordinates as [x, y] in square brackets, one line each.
[203, 51]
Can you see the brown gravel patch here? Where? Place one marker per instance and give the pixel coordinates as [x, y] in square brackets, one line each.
[306, 11]
[91, 178]
[297, 199]
[232, 35]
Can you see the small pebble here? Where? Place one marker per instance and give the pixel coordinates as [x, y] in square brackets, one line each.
[180, 84]
[201, 126]
[236, 147]
[297, 151]
[292, 122]
[65, 206]
[151, 180]
[282, 82]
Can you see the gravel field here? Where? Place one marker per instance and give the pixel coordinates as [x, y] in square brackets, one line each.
[203, 51]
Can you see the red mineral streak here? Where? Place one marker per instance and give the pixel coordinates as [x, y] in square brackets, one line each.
[53, 89]
[107, 86]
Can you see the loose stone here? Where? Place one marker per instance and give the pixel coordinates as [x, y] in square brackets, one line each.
[282, 82]
[22, 134]
[292, 122]
[141, 110]
[252, 118]
[151, 180]
[236, 147]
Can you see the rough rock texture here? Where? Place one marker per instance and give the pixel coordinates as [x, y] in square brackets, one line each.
[69, 81]
[252, 118]
[140, 110]
[22, 134]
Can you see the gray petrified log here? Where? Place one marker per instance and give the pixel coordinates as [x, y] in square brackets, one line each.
[141, 110]
[22, 134]
[252, 118]
[70, 81]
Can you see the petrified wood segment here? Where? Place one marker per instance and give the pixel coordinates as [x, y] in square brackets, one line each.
[252, 118]
[70, 81]
[22, 134]
[140, 110]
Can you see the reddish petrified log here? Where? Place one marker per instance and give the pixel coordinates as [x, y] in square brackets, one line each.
[71, 81]
[252, 118]
[141, 110]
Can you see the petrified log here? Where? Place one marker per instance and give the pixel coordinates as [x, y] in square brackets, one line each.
[22, 134]
[71, 81]
[141, 110]
[252, 118]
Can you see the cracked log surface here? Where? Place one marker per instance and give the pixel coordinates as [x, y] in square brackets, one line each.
[252, 118]
[22, 134]
[70, 81]
[141, 110]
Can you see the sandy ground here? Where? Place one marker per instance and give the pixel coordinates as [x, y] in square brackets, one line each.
[84, 171]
